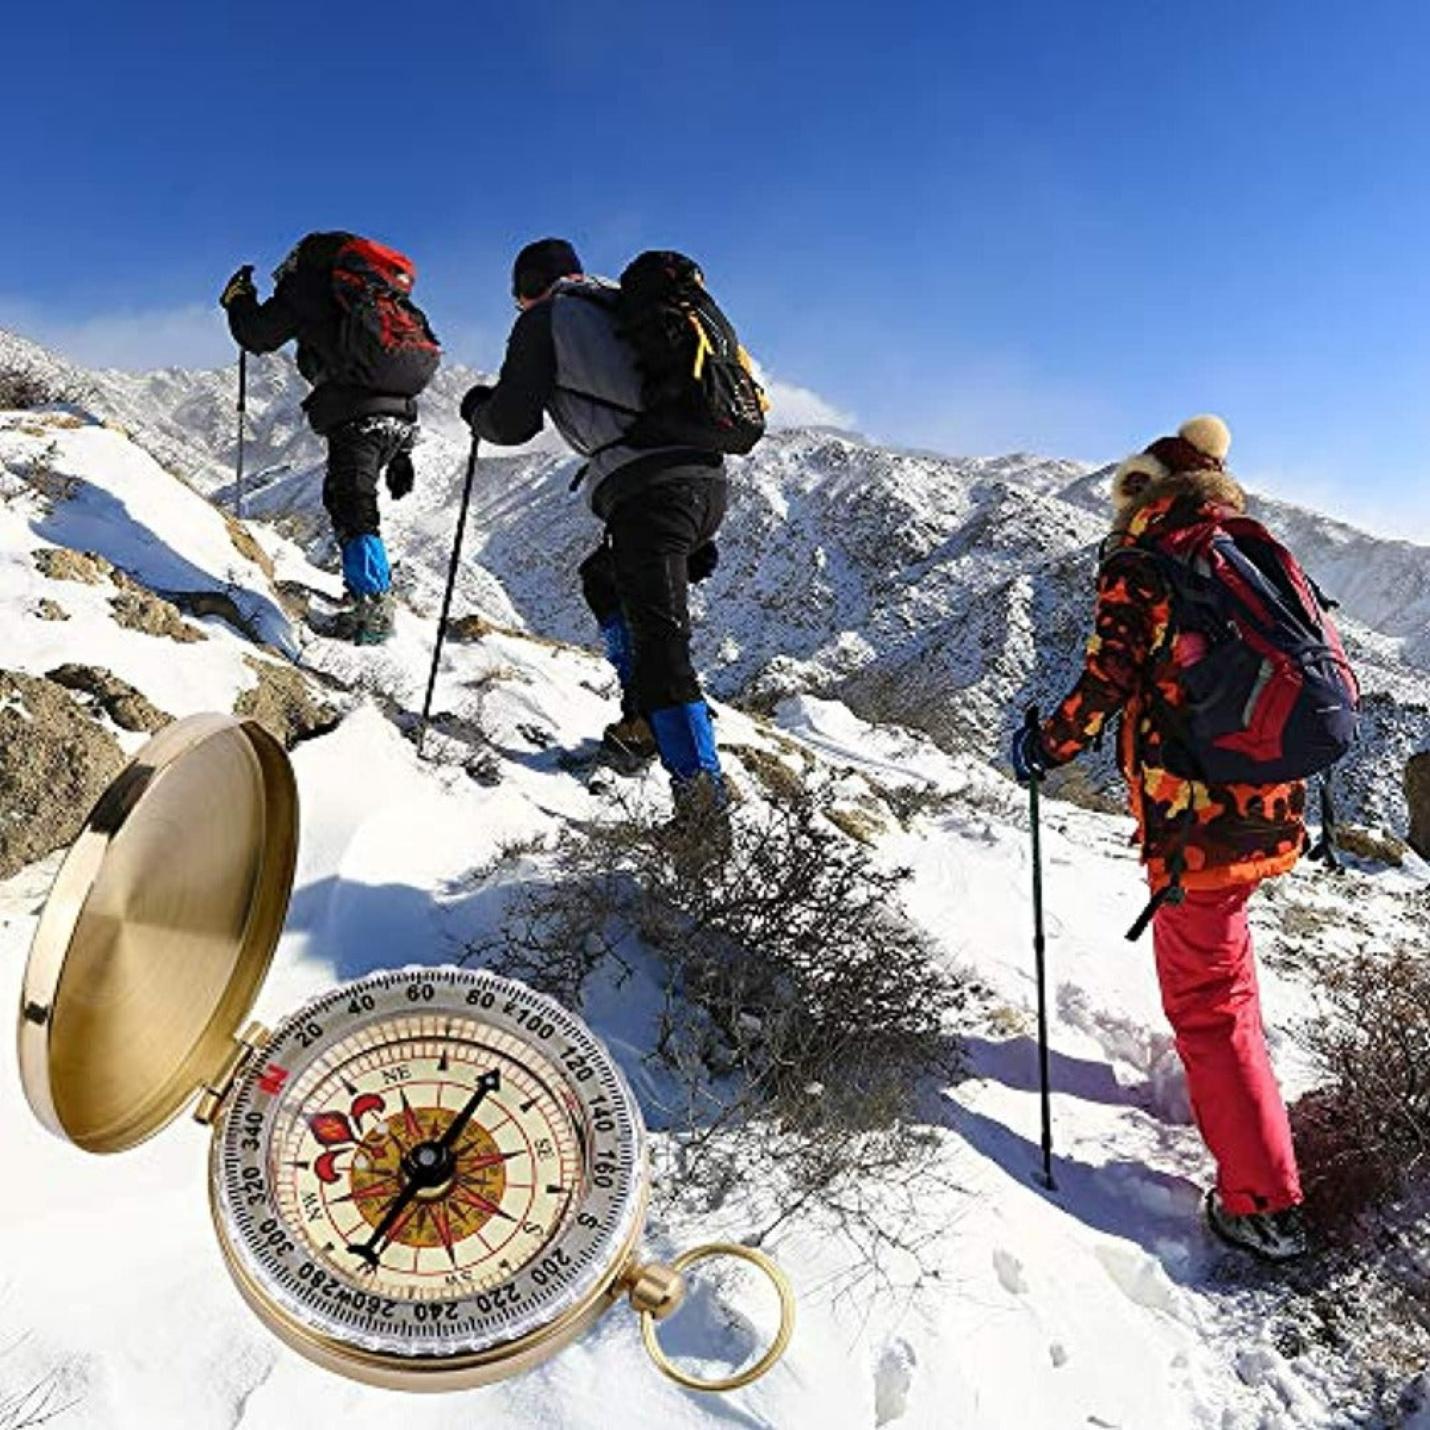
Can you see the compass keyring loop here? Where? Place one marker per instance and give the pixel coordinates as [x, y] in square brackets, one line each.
[777, 1348]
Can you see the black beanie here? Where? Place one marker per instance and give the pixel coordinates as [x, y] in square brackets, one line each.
[540, 264]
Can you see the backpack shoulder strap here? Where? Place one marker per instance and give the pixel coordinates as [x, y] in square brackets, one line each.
[599, 294]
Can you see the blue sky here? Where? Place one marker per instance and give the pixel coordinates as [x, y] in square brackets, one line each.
[968, 226]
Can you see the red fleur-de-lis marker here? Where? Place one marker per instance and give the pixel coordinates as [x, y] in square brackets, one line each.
[332, 1129]
[272, 1078]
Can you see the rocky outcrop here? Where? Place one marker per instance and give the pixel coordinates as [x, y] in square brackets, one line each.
[136, 607]
[1417, 796]
[1374, 844]
[139, 609]
[59, 563]
[55, 760]
[129, 708]
[284, 703]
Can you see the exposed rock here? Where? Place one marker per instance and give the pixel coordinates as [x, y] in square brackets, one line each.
[857, 823]
[55, 760]
[49, 610]
[465, 629]
[59, 563]
[284, 703]
[1417, 796]
[1373, 844]
[295, 598]
[246, 546]
[138, 609]
[773, 773]
[129, 708]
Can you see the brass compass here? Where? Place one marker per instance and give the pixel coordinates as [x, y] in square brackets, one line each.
[430, 1178]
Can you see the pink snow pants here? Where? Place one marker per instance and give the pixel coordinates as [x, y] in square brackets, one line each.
[1208, 976]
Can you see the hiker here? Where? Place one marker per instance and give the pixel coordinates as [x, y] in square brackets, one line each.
[367, 351]
[655, 475]
[1207, 842]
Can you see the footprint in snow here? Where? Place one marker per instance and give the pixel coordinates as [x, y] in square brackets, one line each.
[1141, 1278]
[893, 1379]
[1010, 1272]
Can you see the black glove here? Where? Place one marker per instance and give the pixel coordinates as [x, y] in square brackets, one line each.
[475, 399]
[400, 475]
[239, 286]
[702, 561]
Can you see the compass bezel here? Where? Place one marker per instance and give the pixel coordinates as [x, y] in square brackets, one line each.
[480, 1336]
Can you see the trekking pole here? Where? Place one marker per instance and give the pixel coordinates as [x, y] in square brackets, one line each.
[1039, 946]
[447, 599]
[242, 409]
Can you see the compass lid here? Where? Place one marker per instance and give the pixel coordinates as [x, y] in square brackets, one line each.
[158, 932]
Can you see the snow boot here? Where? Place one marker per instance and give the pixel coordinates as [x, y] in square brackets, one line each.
[367, 620]
[1272, 1236]
[699, 831]
[628, 743]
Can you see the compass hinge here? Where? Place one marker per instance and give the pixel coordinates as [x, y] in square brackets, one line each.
[215, 1089]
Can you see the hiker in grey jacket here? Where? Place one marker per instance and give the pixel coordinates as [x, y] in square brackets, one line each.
[661, 505]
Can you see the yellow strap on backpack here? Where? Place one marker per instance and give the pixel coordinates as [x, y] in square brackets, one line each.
[748, 363]
[703, 346]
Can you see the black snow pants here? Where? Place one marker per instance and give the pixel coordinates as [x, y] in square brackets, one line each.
[358, 452]
[641, 571]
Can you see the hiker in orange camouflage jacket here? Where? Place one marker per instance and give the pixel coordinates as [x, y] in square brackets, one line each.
[1217, 842]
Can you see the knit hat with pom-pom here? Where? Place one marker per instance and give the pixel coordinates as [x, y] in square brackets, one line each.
[1200, 445]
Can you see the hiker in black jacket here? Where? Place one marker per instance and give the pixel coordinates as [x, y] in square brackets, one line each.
[662, 505]
[370, 429]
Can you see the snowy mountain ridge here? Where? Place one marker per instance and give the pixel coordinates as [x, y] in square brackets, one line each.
[943, 593]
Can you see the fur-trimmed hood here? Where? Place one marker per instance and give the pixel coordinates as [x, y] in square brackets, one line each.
[1190, 464]
[1209, 487]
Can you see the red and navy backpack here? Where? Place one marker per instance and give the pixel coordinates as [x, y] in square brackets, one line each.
[1269, 694]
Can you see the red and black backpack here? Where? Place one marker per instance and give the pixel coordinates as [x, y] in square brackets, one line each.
[1269, 694]
[383, 340]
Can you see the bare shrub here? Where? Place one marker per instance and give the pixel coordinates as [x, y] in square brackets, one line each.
[38, 1404]
[911, 802]
[802, 1016]
[1364, 1136]
[24, 388]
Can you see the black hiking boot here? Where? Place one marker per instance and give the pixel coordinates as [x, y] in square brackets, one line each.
[628, 744]
[368, 620]
[699, 830]
[1271, 1236]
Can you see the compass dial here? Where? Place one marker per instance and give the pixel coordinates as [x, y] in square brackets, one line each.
[430, 1162]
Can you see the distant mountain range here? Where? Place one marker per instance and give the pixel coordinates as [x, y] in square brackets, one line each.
[942, 593]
